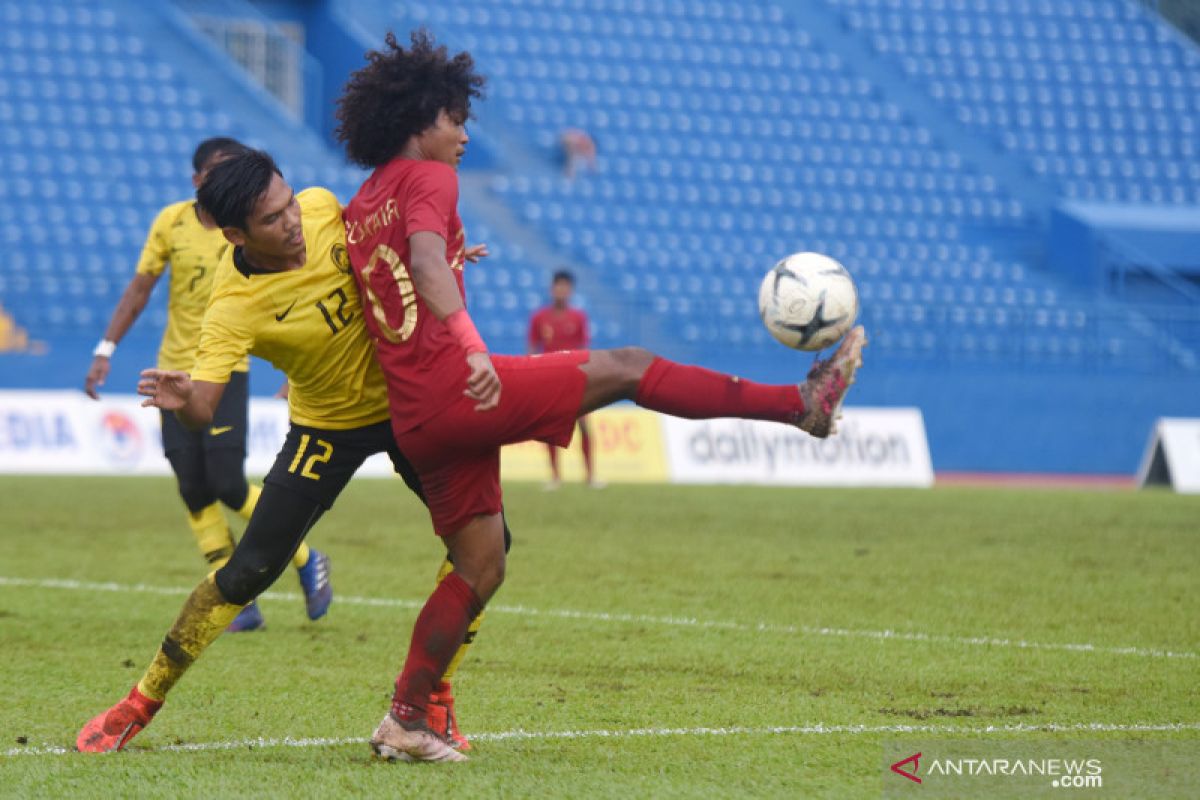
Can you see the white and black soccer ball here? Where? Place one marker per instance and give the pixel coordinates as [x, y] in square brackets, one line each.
[808, 301]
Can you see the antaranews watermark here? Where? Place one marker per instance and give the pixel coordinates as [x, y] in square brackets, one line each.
[1041, 767]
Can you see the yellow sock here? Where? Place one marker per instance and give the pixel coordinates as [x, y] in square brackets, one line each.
[301, 557]
[212, 534]
[472, 629]
[204, 615]
[251, 501]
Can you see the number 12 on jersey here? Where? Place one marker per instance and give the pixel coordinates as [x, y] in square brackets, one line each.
[314, 459]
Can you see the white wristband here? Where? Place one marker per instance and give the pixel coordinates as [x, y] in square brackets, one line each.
[106, 348]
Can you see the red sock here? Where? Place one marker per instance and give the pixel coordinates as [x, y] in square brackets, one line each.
[698, 393]
[437, 634]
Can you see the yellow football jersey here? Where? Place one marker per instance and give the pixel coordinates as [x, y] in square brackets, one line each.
[193, 251]
[304, 321]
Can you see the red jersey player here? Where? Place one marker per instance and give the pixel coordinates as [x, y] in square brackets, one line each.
[561, 326]
[452, 404]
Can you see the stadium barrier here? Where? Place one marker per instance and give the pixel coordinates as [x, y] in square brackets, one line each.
[1173, 456]
[627, 444]
[64, 432]
[873, 447]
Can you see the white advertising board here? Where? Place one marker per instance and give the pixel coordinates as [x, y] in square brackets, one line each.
[1173, 455]
[68, 433]
[65, 432]
[873, 447]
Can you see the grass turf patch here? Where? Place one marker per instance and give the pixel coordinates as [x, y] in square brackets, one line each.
[726, 624]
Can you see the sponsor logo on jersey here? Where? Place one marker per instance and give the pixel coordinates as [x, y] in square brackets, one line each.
[281, 316]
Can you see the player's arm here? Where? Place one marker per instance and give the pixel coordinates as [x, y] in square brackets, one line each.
[156, 251]
[194, 402]
[129, 308]
[434, 282]
[225, 340]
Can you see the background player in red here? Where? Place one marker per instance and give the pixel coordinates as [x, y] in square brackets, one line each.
[562, 326]
[452, 404]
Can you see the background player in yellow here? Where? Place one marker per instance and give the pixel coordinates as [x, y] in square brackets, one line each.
[286, 293]
[208, 464]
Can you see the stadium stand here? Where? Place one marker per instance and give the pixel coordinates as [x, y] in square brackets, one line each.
[729, 136]
[98, 129]
[925, 143]
[1098, 98]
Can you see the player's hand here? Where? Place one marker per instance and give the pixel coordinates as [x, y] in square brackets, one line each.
[284, 391]
[476, 252]
[96, 376]
[166, 389]
[483, 384]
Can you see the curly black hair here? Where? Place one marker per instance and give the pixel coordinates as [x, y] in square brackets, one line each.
[399, 94]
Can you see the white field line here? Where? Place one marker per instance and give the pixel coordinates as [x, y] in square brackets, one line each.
[793, 730]
[644, 619]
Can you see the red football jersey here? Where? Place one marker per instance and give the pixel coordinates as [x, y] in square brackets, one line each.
[552, 329]
[425, 367]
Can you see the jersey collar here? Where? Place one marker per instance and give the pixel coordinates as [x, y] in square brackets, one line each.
[244, 266]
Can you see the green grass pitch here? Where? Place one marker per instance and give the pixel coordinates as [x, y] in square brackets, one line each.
[650, 641]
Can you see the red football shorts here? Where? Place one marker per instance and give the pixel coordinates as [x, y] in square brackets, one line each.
[457, 453]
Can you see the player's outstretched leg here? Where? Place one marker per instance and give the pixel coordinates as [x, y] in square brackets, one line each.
[311, 567]
[204, 615]
[680, 390]
[282, 521]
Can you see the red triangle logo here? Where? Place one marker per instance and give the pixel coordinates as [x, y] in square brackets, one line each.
[915, 760]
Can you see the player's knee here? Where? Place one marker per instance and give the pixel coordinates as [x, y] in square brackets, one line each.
[628, 364]
[195, 492]
[240, 580]
[489, 577]
[483, 572]
[250, 572]
[497, 571]
[226, 476]
[230, 488]
[633, 360]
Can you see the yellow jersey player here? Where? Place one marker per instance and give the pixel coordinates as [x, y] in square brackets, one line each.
[208, 464]
[284, 292]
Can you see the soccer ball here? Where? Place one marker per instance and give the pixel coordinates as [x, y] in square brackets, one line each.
[808, 301]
